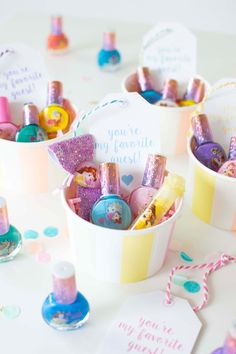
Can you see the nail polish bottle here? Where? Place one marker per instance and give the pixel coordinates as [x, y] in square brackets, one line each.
[87, 188]
[195, 93]
[31, 132]
[57, 41]
[111, 211]
[169, 94]
[229, 167]
[171, 189]
[152, 180]
[65, 309]
[146, 86]
[210, 154]
[8, 130]
[109, 57]
[230, 342]
[10, 237]
[54, 117]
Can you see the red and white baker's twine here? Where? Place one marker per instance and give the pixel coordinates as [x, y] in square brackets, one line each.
[211, 267]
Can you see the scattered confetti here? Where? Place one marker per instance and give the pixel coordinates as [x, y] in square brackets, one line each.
[185, 257]
[31, 234]
[43, 257]
[179, 279]
[50, 231]
[34, 247]
[192, 286]
[10, 311]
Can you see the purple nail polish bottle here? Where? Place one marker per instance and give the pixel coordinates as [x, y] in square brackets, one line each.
[229, 167]
[210, 154]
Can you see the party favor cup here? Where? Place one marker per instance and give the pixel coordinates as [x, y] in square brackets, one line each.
[119, 256]
[211, 195]
[27, 168]
[174, 121]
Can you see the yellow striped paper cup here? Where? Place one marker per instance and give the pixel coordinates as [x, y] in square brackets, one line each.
[118, 256]
[27, 168]
[211, 195]
[174, 121]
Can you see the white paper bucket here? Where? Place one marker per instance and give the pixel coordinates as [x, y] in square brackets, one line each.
[174, 122]
[27, 168]
[211, 195]
[119, 256]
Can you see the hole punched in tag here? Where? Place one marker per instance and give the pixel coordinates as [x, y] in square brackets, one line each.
[6, 52]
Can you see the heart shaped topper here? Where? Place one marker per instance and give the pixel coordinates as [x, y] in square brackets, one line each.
[72, 152]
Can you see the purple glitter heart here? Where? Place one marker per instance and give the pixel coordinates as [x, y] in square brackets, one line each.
[72, 152]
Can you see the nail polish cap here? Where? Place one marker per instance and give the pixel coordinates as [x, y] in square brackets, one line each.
[109, 40]
[109, 178]
[56, 25]
[64, 284]
[55, 93]
[5, 116]
[195, 90]
[201, 129]
[4, 222]
[170, 90]
[154, 172]
[144, 78]
[232, 148]
[30, 114]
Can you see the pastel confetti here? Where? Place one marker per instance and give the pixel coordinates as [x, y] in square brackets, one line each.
[192, 286]
[10, 311]
[50, 231]
[43, 257]
[185, 257]
[31, 234]
[179, 280]
[34, 247]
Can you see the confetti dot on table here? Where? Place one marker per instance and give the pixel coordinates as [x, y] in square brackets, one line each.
[218, 351]
[31, 234]
[11, 311]
[50, 231]
[185, 257]
[43, 257]
[192, 286]
[179, 279]
[34, 247]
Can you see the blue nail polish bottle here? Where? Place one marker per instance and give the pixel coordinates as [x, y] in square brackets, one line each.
[10, 237]
[111, 211]
[109, 57]
[31, 131]
[65, 309]
[146, 87]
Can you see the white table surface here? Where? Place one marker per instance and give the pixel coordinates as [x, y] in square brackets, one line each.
[26, 282]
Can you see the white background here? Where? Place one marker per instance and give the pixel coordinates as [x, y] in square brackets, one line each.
[207, 15]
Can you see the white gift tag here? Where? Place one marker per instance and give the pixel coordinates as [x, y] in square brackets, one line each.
[220, 108]
[23, 77]
[124, 133]
[145, 324]
[170, 50]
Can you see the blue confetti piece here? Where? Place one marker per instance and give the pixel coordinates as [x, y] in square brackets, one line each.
[192, 286]
[50, 231]
[31, 234]
[185, 257]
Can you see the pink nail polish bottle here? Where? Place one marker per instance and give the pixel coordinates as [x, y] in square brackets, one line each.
[169, 94]
[153, 177]
[229, 346]
[8, 130]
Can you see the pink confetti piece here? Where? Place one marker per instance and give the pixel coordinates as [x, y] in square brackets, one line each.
[43, 257]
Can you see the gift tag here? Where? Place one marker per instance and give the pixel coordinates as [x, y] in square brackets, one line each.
[23, 77]
[145, 324]
[126, 129]
[220, 107]
[170, 50]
